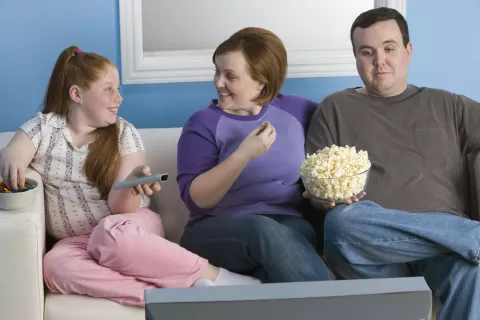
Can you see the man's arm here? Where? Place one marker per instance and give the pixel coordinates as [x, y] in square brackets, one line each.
[468, 117]
[319, 136]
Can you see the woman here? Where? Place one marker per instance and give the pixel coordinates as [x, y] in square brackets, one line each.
[238, 167]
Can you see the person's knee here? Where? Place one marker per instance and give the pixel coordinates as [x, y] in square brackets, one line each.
[302, 226]
[51, 261]
[267, 230]
[107, 242]
[57, 268]
[261, 225]
[335, 221]
[342, 220]
[100, 238]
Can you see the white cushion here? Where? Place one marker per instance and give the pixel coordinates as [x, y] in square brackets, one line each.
[78, 307]
[161, 150]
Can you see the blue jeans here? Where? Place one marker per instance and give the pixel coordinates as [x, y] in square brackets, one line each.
[273, 248]
[365, 240]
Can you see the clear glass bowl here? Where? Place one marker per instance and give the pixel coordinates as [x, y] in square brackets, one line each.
[336, 189]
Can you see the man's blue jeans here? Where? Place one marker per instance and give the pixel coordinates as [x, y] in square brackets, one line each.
[273, 248]
[365, 240]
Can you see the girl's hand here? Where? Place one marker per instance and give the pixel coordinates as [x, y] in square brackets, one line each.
[143, 189]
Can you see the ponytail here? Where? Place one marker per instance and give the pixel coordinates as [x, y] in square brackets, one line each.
[75, 67]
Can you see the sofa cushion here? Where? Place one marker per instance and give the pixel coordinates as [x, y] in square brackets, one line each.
[78, 307]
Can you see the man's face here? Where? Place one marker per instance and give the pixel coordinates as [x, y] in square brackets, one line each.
[382, 59]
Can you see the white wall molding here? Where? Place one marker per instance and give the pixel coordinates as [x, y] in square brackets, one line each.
[399, 5]
[139, 67]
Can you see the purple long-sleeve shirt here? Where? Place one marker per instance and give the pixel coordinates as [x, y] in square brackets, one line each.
[269, 184]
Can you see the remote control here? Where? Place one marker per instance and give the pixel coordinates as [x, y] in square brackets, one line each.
[144, 180]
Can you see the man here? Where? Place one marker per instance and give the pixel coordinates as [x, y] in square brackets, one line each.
[415, 217]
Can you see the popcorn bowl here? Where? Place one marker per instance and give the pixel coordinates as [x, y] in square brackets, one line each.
[336, 190]
[10, 201]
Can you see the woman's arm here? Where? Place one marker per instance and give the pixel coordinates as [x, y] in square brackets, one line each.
[210, 186]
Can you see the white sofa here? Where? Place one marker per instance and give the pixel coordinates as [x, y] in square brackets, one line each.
[22, 244]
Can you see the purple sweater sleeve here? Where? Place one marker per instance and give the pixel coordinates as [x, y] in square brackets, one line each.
[300, 107]
[197, 152]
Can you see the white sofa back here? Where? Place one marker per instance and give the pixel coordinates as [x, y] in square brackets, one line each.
[161, 150]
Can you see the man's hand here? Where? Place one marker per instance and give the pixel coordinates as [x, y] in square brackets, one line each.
[325, 206]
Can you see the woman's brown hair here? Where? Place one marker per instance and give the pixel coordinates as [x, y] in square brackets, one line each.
[266, 57]
[74, 67]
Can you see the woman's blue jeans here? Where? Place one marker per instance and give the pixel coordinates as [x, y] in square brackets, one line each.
[273, 248]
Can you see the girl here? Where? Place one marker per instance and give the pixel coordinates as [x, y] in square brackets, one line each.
[110, 244]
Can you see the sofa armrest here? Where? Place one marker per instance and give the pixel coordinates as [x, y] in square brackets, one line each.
[22, 247]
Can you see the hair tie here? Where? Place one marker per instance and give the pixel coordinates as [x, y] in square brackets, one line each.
[78, 51]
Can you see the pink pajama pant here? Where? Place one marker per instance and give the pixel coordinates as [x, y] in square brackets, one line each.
[120, 258]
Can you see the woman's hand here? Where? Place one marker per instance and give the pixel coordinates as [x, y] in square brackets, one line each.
[258, 141]
[143, 189]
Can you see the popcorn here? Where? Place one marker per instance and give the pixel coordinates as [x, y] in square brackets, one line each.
[335, 173]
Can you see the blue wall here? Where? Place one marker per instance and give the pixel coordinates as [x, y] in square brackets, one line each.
[32, 34]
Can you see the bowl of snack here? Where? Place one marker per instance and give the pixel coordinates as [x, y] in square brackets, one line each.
[336, 174]
[17, 199]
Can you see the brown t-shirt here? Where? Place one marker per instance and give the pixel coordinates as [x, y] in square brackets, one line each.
[417, 143]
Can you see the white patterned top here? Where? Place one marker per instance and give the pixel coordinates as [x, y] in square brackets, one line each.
[73, 207]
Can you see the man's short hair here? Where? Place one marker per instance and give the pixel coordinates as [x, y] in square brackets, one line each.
[370, 17]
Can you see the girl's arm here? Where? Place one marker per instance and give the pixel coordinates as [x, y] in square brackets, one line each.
[132, 165]
[15, 158]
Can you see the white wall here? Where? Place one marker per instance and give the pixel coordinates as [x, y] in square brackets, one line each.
[204, 24]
